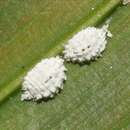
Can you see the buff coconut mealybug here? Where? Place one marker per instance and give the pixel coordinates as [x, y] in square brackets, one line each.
[86, 45]
[44, 80]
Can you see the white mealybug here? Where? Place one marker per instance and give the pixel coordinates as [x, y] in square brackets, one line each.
[125, 2]
[87, 44]
[44, 80]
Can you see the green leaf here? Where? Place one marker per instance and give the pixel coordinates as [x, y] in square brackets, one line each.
[95, 96]
[37, 30]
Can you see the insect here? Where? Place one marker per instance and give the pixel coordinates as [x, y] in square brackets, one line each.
[87, 44]
[44, 80]
[125, 2]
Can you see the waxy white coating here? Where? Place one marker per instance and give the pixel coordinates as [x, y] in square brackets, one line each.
[125, 2]
[44, 80]
[87, 44]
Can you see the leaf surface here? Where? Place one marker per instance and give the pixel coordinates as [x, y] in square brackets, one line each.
[95, 96]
